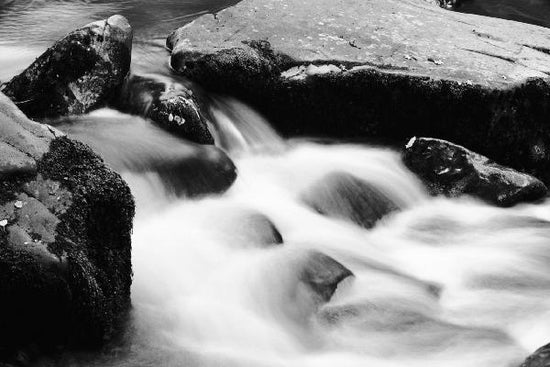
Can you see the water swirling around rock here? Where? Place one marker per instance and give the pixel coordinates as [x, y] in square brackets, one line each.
[431, 282]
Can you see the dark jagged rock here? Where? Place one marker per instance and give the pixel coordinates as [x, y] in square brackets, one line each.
[322, 274]
[169, 104]
[453, 170]
[131, 144]
[65, 223]
[78, 73]
[342, 195]
[540, 358]
[380, 69]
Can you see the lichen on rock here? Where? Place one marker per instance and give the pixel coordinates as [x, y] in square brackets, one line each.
[65, 223]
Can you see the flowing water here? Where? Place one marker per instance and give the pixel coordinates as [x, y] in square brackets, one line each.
[439, 282]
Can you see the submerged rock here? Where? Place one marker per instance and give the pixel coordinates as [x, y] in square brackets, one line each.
[380, 69]
[539, 358]
[322, 274]
[247, 228]
[78, 73]
[65, 223]
[344, 196]
[453, 170]
[169, 104]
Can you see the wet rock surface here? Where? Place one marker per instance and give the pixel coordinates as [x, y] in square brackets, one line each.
[78, 73]
[344, 196]
[170, 105]
[453, 170]
[380, 69]
[65, 222]
[540, 358]
[322, 274]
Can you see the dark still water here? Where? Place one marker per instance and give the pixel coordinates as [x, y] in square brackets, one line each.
[528, 11]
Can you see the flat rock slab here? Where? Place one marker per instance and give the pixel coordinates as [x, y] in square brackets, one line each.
[412, 36]
[380, 69]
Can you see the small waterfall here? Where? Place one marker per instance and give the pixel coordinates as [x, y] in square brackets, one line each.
[240, 130]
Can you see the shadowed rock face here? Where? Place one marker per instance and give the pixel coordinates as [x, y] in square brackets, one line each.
[322, 274]
[65, 222]
[78, 73]
[170, 105]
[453, 170]
[540, 358]
[383, 69]
[342, 195]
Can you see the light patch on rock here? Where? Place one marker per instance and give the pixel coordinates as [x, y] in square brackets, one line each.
[302, 72]
[411, 142]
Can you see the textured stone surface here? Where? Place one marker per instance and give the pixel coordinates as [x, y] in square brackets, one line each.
[381, 69]
[169, 104]
[407, 36]
[65, 222]
[453, 170]
[78, 73]
[540, 358]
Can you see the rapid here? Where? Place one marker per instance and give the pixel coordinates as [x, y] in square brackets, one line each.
[219, 278]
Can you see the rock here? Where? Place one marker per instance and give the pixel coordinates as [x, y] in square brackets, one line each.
[344, 196]
[246, 228]
[131, 144]
[322, 274]
[453, 170]
[65, 225]
[539, 358]
[380, 69]
[78, 73]
[169, 104]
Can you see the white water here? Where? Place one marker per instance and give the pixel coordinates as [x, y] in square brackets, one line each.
[440, 283]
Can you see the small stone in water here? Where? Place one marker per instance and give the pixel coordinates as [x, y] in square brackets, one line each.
[170, 117]
[18, 204]
[3, 222]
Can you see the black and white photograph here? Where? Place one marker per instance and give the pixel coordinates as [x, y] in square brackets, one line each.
[274, 183]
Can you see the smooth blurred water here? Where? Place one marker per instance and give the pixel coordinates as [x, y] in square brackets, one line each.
[438, 283]
[441, 282]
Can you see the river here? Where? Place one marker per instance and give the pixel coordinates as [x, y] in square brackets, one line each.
[439, 282]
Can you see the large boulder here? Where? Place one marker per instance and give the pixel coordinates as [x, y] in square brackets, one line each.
[382, 69]
[453, 170]
[78, 73]
[169, 104]
[539, 358]
[65, 223]
[342, 195]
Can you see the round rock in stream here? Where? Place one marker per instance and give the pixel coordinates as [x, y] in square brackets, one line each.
[169, 104]
[344, 196]
[65, 224]
[78, 73]
[453, 170]
[540, 358]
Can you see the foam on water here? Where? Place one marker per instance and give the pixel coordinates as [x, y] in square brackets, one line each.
[441, 282]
